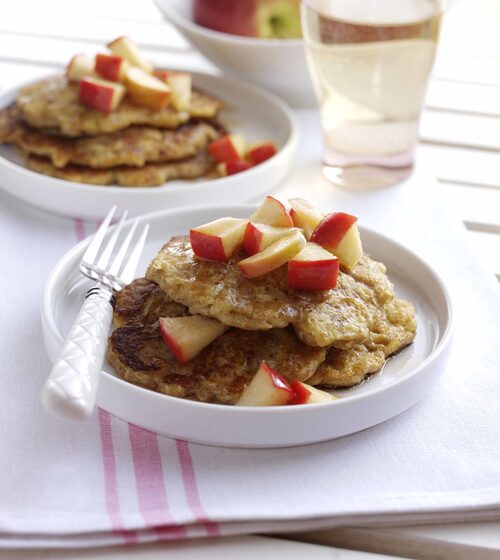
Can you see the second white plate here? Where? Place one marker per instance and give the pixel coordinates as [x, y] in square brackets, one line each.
[256, 113]
[403, 381]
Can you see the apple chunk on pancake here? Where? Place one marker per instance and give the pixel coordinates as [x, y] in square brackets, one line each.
[343, 316]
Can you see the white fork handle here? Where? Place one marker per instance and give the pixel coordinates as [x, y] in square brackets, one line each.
[71, 388]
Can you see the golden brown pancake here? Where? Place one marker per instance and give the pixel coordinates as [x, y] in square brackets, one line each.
[362, 303]
[150, 175]
[219, 373]
[134, 146]
[53, 104]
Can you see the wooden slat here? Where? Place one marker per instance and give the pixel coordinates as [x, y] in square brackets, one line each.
[487, 246]
[463, 130]
[473, 204]
[460, 97]
[460, 165]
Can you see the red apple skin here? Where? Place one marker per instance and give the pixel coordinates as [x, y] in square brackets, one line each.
[313, 276]
[224, 150]
[206, 246]
[109, 66]
[279, 215]
[237, 166]
[331, 230]
[302, 393]
[96, 95]
[262, 152]
[226, 16]
[173, 346]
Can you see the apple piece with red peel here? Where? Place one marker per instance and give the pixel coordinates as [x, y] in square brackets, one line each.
[217, 240]
[261, 152]
[252, 18]
[232, 167]
[79, 67]
[101, 94]
[272, 213]
[228, 148]
[314, 269]
[187, 336]
[111, 67]
[259, 236]
[305, 216]
[267, 388]
[307, 394]
[127, 49]
[274, 255]
[338, 233]
[181, 85]
[146, 90]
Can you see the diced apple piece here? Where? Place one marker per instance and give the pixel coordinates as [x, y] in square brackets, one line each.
[187, 336]
[127, 49]
[79, 67]
[260, 152]
[307, 394]
[338, 233]
[267, 388]
[272, 213]
[228, 148]
[313, 269]
[111, 67]
[181, 85]
[259, 236]
[146, 90]
[273, 256]
[305, 216]
[232, 167]
[217, 240]
[101, 94]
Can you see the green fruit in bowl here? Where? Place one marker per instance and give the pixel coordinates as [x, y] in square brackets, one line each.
[264, 19]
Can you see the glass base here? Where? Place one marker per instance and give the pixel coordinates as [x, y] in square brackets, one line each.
[367, 173]
[366, 177]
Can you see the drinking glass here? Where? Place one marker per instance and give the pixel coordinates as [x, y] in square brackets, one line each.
[370, 62]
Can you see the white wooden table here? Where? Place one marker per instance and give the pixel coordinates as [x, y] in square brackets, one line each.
[460, 143]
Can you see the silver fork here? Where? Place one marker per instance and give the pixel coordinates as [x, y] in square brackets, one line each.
[71, 387]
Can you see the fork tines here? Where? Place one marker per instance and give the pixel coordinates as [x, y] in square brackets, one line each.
[102, 264]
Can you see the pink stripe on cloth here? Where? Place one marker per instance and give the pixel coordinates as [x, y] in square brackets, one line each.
[110, 479]
[191, 488]
[150, 483]
[79, 229]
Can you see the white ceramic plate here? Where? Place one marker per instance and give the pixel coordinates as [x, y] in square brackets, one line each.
[404, 379]
[259, 115]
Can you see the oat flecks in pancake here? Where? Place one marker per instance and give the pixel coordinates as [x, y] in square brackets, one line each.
[53, 104]
[340, 317]
[133, 146]
[219, 373]
[150, 175]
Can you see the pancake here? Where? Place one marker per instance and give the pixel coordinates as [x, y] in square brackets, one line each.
[150, 175]
[362, 305]
[53, 104]
[134, 146]
[219, 373]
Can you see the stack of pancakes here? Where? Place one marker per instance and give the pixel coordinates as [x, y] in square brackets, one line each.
[334, 338]
[131, 146]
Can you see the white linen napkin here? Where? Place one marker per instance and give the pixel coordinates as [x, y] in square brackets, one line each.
[108, 482]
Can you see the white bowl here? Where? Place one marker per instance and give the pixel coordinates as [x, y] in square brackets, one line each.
[277, 64]
[248, 109]
[403, 381]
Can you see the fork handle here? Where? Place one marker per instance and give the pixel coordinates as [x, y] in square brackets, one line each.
[71, 387]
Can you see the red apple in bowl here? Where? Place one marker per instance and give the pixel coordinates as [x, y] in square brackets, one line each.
[266, 19]
[100, 94]
[259, 236]
[272, 213]
[306, 394]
